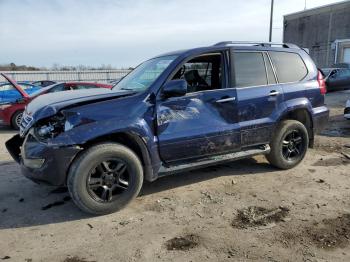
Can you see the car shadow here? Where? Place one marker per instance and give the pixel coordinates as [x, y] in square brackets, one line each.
[26, 204]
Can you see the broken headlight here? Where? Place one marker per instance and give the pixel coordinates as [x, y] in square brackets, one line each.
[53, 126]
[50, 128]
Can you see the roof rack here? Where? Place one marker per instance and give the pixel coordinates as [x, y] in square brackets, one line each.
[268, 44]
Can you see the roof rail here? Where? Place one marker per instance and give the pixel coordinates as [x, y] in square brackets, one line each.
[269, 44]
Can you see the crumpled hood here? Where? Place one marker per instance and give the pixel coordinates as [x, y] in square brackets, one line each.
[49, 104]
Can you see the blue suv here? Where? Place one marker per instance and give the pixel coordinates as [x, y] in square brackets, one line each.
[175, 112]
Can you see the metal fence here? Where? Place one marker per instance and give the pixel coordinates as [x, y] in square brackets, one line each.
[88, 75]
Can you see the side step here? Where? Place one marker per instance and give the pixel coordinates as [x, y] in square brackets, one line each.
[215, 160]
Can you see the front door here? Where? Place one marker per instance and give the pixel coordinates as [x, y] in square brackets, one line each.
[204, 121]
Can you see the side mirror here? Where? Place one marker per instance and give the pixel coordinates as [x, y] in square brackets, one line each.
[174, 88]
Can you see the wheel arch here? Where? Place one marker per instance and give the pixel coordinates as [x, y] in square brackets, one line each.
[304, 116]
[130, 140]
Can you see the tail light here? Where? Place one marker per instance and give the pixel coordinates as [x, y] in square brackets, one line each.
[321, 83]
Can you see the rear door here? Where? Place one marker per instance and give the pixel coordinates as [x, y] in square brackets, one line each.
[258, 95]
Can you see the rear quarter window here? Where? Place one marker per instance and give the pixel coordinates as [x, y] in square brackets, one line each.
[289, 66]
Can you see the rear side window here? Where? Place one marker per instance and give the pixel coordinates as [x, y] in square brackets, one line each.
[289, 66]
[249, 69]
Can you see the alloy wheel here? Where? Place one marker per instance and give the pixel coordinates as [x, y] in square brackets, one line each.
[293, 145]
[108, 179]
[18, 119]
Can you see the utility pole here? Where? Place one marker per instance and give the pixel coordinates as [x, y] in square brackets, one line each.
[305, 5]
[271, 19]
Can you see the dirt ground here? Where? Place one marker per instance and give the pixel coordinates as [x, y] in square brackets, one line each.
[241, 211]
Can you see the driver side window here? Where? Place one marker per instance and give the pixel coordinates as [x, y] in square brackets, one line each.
[202, 73]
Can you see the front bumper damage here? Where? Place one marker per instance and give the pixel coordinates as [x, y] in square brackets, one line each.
[42, 162]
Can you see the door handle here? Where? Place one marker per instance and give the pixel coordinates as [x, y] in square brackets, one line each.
[223, 100]
[274, 93]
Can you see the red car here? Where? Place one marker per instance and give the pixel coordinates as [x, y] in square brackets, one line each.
[11, 113]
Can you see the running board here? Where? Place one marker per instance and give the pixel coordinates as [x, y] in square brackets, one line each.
[215, 160]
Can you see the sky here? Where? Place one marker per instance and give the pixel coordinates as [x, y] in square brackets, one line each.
[123, 33]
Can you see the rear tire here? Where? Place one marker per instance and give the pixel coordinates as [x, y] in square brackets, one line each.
[289, 144]
[16, 119]
[105, 178]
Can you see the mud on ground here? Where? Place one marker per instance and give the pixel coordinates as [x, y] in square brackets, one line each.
[241, 211]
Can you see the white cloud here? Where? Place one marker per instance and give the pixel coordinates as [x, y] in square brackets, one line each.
[123, 33]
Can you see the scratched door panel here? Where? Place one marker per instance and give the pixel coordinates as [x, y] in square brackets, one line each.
[258, 96]
[256, 112]
[196, 125]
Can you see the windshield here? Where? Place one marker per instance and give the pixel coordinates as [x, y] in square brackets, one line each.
[145, 74]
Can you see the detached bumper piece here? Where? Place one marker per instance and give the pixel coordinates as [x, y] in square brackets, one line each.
[13, 146]
[41, 162]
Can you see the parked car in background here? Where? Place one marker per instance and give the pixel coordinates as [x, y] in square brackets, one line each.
[177, 111]
[28, 87]
[10, 93]
[337, 78]
[11, 113]
[43, 83]
[347, 110]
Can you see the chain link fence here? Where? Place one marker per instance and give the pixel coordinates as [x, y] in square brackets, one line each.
[86, 75]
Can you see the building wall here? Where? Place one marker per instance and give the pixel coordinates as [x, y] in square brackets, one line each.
[317, 29]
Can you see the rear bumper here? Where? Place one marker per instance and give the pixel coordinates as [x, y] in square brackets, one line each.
[320, 118]
[56, 160]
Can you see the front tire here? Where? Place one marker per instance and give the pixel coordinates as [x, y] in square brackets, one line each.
[289, 144]
[105, 178]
